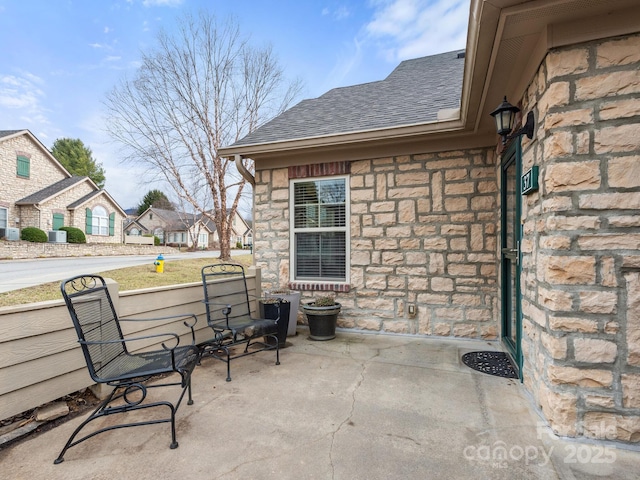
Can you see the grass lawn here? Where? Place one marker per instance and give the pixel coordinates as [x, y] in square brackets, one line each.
[131, 278]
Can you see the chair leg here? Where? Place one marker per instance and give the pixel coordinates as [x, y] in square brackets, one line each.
[104, 410]
[95, 414]
[174, 442]
[190, 401]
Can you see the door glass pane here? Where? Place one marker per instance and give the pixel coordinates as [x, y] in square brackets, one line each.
[513, 328]
[510, 205]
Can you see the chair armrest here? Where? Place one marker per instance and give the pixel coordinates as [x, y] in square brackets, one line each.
[172, 336]
[187, 323]
[226, 311]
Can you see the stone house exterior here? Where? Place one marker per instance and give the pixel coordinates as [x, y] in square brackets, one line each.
[172, 227]
[241, 232]
[399, 197]
[37, 191]
[180, 228]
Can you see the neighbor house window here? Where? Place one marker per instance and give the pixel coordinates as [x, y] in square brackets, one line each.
[3, 218]
[99, 221]
[159, 232]
[23, 166]
[320, 229]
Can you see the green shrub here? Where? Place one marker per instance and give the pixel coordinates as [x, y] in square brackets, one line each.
[74, 235]
[156, 241]
[239, 245]
[33, 234]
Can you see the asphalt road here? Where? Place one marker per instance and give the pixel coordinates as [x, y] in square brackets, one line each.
[16, 274]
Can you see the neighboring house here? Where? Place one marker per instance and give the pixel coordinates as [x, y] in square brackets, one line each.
[399, 197]
[171, 227]
[241, 232]
[37, 191]
[248, 234]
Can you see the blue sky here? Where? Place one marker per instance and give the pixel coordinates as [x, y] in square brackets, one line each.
[60, 57]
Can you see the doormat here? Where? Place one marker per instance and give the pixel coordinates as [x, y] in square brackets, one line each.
[493, 363]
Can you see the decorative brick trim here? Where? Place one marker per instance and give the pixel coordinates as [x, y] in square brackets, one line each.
[319, 169]
[320, 287]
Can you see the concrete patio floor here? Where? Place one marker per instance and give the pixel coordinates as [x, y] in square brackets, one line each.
[357, 407]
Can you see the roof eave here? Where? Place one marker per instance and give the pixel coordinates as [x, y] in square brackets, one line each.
[325, 141]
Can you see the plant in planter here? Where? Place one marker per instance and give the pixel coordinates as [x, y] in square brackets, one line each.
[275, 308]
[322, 316]
[293, 297]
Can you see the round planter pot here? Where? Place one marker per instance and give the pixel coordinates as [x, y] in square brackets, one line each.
[322, 321]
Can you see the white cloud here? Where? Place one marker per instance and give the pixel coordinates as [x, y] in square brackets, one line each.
[107, 30]
[21, 92]
[404, 29]
[339, 13]
[400, 30]
[162, 3]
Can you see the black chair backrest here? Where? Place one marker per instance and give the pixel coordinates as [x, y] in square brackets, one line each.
[225, 284]
[95, 320]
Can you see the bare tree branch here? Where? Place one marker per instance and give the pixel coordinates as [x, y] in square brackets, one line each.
[203, 88]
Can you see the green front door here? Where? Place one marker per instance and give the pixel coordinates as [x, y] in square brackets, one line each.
[511, 233]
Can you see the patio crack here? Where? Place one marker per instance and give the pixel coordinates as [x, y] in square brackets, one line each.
[347, 421]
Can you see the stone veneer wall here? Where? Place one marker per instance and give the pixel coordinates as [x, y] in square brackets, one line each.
[43, 173]
[29, 250]
[423, 231]
[581, 242]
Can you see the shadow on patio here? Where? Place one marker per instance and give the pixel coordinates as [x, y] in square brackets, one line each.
[357, 407]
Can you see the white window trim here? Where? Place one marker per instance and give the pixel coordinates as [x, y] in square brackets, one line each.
[347, 230]
[98, 220]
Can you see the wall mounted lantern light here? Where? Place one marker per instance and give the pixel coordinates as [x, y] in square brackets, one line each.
[505, 116]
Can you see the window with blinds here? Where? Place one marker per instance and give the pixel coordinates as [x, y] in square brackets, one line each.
[320, 229]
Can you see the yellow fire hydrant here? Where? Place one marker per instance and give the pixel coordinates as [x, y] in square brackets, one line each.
[159, 263]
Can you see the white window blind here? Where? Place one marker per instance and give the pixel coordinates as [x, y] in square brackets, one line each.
[320, 229]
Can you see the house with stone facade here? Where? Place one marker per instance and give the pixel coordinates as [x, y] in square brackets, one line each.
[182, 228]
[172, 227]
[37, 191]
[399, 197]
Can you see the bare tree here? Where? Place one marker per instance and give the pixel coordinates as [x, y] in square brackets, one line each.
[201, 89]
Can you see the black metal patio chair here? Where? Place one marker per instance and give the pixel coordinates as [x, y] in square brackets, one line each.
[229, 315]
[111, 361]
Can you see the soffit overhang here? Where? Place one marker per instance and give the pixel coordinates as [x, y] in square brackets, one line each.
[506, 42]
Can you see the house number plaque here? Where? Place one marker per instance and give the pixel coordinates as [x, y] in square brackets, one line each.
[530, 180]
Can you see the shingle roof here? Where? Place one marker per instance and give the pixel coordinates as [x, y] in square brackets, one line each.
[7, 133]
[50, 191]
[84, 199]
[413, 93]
[175, 220]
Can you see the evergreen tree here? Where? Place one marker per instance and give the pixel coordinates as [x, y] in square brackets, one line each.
[157, 199]
[78, 159]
